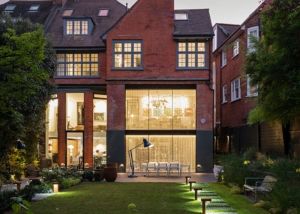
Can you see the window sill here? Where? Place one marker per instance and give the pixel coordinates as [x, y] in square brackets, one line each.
[191, 69]
[127, 69]
[238, 99]
[223, 66]
[252, 96]
[235, 56]
[224, 102]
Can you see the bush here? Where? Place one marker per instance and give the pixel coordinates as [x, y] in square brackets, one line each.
[88, 175]
[5, 200]
[69, 182]
[30, 190]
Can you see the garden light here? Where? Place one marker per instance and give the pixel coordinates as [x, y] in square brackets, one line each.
[55, 187]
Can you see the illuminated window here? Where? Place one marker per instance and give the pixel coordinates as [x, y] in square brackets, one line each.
[160, 109]
[67, 12]
[127, 54]
[77, 27]
[191, 55]
[77, 64]
[75, 111]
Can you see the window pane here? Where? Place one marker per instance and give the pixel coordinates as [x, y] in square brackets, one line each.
[76, 27]
[184, 109]
[137, 47]
[160, 107]
[182, 60]
[201, 60]
[191, 47]
[60, 70]
[94, 57]
[69, 57]
[181, 46]
[86, 57]
[118, 61]
[137, 109]
[94, 69]
[137, 60]
[86, 69]
[127, 60]
[201, 46]
[60, 57]
[192, 60]
[69, 70]
[127, 47]
[69, 27]
[118, 47]
[77, 57]
[77, 69]
[84, 27]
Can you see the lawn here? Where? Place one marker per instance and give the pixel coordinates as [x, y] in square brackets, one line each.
[152, 198]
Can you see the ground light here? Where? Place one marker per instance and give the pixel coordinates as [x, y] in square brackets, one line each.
[55, 187]
[187, 179]
[203, 204]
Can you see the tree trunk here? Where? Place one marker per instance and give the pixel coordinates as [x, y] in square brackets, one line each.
[286, 138]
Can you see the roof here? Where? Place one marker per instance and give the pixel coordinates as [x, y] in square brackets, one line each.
[198, 24]
[224, 31]
[85, 9]
[22, 10]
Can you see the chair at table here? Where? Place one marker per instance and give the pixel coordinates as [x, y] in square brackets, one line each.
[151, 167]
[175, 166]
[162, 166]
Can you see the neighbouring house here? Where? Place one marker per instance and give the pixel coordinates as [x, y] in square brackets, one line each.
[235, 96]
[124, 75]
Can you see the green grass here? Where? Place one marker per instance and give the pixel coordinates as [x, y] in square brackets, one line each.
[238, 202]
[114, 198]
[149, 198]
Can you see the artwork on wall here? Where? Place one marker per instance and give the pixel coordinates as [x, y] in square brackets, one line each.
[99, 117]
[80, 113]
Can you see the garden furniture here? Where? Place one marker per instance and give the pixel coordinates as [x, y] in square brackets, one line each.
[259, 185]
[162, 166]
[175, 166]
[151, 166]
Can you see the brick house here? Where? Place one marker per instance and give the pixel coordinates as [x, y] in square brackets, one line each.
[236, 96]
[124, 75]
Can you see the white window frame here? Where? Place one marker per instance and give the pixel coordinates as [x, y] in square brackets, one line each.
[249, 87]
[236, 48]
[181, 16]
[224, 58]
[224, 94]
[250, 44]
[235, 89]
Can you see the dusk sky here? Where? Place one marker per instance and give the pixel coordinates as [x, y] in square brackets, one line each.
[221, 11]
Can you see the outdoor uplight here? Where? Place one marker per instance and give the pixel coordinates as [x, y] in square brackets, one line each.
[55, 187]
[62, 165]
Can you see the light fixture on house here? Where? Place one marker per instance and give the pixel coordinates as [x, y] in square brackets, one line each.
[55, 187]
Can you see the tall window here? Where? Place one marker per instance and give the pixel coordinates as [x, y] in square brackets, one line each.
[236, 48]
[224, 94]
[253, 35]
[127, 54]
[252, 90]
[77, 27]
[75, 111]
[77, 64]
[224, 58]
[161, 109]
[191, 55]
[236, 89]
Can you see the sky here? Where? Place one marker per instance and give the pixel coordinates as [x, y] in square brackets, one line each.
[221, 11]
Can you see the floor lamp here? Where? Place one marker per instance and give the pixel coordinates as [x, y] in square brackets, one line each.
[146, 144]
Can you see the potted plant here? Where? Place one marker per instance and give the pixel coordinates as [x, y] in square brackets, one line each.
[110, 173]
[99, 174]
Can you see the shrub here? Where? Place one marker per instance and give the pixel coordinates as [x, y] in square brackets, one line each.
[5, 200]
[88, 175]
[30, 190]
[69, 182]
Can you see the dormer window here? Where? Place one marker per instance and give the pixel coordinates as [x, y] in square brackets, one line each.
[10, 8]
[34, 8]
[181, 16]
[77, 27]
[103, 12]
[67, 12]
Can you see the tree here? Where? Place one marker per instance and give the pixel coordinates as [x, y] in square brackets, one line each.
[275, 66]
[27, 64]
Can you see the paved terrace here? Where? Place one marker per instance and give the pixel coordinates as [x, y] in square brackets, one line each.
[152, 178]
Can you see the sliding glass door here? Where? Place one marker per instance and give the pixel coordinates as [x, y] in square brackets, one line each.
[75, 149]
